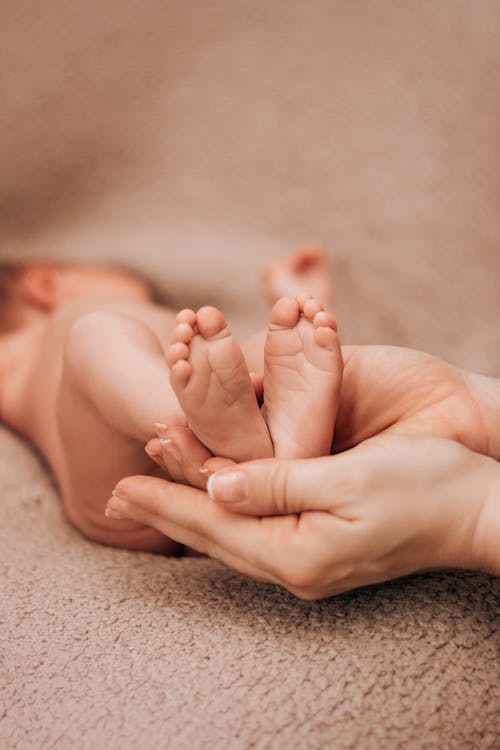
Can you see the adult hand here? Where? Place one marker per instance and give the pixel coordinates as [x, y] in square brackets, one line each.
[408, 392]
[389, 507]
[385, 390]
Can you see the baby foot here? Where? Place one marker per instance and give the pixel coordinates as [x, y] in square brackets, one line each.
[210, 378]
[302, 378]
[306, 270]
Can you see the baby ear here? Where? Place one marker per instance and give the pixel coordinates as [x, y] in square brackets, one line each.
[39, 287]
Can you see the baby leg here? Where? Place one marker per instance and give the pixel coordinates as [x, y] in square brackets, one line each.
[114, 387]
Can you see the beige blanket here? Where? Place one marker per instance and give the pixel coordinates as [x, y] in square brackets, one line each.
[110, 649]
[194, 140]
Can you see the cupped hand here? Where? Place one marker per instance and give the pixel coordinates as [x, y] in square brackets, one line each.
[389, 389]
[389, 507]
[385, 390]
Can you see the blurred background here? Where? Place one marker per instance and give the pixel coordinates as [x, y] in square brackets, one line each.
[196, 140]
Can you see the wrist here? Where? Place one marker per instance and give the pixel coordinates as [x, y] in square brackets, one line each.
[486, 394]
[465, 529]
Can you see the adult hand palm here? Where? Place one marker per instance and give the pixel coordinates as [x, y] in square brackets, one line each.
[393, 390]
[321, 526]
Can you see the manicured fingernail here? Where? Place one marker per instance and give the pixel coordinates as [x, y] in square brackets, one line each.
[161, 429]
[110, 513]
[116, 507]
[232, 487]
[171, 449]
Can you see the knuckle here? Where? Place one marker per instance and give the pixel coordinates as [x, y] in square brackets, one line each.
[278, 489]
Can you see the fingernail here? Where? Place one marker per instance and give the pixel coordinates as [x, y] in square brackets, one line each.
[152, 453]
[202, 470]
[119, 507]
[232, 487]
[171, 449]
[110, 513]
[161, 429]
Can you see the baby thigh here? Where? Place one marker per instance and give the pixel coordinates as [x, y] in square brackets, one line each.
[114, 387]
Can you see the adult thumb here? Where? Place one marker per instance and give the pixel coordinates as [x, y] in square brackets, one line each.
[269, 487]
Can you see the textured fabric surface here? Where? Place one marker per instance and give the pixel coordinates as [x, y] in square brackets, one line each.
[194, 140]
[105, 648]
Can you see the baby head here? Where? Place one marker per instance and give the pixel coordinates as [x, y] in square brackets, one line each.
[42, 287]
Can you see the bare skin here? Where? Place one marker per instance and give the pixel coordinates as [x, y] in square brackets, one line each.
[84, 378]
[391, 506]
[89, 380]
[385, 390]
[302, 377]
[303, 374]
[209, 375]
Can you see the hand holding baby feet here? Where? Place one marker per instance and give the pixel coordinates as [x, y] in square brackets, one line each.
[209, 376]
[306, 270]
[302, 378]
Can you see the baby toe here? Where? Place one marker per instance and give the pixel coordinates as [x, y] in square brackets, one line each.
[186, 316]
[183, 333]
[176, 353]
[211, 323]
[323, 319]
[285, 313]
[181, 372]
[311, 308]
[302, 299]
[326, 338]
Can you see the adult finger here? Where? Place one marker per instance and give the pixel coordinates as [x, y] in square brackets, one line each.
[280, 487]
[142, 492]
[273, 549]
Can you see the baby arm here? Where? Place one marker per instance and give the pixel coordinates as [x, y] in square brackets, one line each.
[114, 388]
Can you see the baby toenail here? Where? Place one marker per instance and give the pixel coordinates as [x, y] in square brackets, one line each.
[228, 488]
[171, 450]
